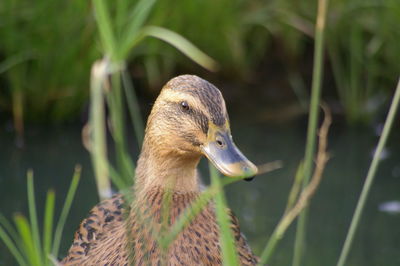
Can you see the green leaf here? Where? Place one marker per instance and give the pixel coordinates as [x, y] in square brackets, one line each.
[65, 210]
[28, 240]
[183, 45]
[118, 181]
[11, 231]
[188, 215]
[229, 254]
[106, 30]
[14, 60]
[12, 247]
[133, 107]
[33, 214]
[48, 223]
[136, 20]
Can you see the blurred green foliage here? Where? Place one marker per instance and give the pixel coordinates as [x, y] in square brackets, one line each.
[48, 46]
[236, 33]
[46, 50]
[363, 48]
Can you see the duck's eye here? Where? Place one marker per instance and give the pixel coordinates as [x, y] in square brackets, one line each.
[185, 106]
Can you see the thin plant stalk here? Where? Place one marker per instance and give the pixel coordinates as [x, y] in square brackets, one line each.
[188, 215]
[137, 18]
[229, 254]
[33, 214]
[296, 188]
[116, 104]
[312, 123]
[48, 223]
[29, 246]
[65, 210]
[294, 209]
[193, 210]
[133, 107]
[7, 227]
[117, 180]
[106, 31]
[200, 203]
[370, 177]
[98, 129]
[15, 251]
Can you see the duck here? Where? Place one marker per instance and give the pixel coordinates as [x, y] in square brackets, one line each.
[188, 121]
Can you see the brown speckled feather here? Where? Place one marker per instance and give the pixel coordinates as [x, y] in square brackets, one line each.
[104, 215]
[114, 240]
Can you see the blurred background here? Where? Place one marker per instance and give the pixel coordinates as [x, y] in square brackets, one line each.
[264, 51]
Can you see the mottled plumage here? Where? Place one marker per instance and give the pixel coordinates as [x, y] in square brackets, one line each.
[198, 244]
[118, 233]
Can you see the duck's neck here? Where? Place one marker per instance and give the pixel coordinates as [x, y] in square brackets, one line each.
[166, 169]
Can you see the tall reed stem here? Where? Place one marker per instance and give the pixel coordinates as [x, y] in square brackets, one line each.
[229, 254]
[98, 130]
[370, 177]
[312, 123]
[133, 106]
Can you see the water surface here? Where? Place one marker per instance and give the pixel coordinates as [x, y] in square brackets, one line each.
[52, 154]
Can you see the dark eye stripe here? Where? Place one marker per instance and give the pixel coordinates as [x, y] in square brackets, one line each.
[197, 115]
[201, 119]
[192, 139]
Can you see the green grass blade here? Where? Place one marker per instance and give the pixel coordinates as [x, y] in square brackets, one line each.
[129, 165]
[105, 27]
[27, 237]
[12, 232]
[48, 223]
[293, 209]
[65, 210]
[136, 20]
[296, 187]
[269, 248]
[165, 215]
[12, 247]
[122, 8]
[370, 177]
[188, 215]
[14, 60]
[33, 214]
[183, 45]
[229, 254]
[116, 110]
[133, 107]
[312, 123]
[118, 181]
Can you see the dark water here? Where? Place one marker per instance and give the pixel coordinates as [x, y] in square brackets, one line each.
[52, 154]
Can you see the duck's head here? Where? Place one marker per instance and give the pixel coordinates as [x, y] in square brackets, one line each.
[189, 119]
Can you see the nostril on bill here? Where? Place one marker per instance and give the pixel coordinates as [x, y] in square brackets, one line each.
[220, 142]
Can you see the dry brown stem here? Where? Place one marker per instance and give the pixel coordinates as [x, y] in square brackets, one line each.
[308, 192]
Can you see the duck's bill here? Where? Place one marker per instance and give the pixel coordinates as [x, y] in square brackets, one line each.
[226, 157]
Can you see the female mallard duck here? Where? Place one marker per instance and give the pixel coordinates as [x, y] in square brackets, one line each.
[188, 120]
